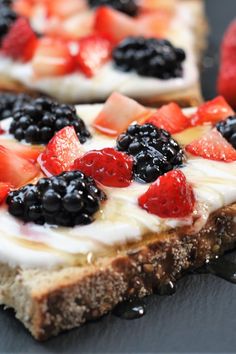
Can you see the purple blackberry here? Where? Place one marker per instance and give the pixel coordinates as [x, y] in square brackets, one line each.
[228, 129]
[129, 7]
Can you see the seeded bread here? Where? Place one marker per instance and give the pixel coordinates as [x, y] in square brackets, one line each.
[48, 302]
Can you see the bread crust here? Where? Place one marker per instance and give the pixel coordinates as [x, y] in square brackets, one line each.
[48, 302]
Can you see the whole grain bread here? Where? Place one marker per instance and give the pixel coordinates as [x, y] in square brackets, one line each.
[48, 302]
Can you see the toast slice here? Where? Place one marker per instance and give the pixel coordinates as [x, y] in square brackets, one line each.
[187, 93]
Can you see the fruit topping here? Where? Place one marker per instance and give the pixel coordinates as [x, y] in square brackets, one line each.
[212, 111]
[94, 51]
[4, 190]
[107, 166]
[170, 196]
[127, 6]
[227, 128]
[61, 152]
[155, 152]
[7, 18]
[68, 199]
[169, 117]
[65, 9]
[227, 74]
[117, 113]
[53, 58]
[212, 146]
[9, 102]
[149, 57]
[14, 169]
[38, 121]
[28, 152]
[20, 42]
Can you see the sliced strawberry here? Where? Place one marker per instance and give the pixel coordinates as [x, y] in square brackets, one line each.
[212, 146]
[29, 152]
[61, 152]
[4, 190]
[94, 51]
[169, 117]
[53, 58]
[170, 196]
[20, 42]
[14, 169]
[155, 24]
[114, 24]
[212, 111]
[117, 113]
[63, 9]
[107, 166]
[24, 7]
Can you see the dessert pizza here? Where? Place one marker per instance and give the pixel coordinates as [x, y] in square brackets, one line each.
[100, 203]
[83, 50]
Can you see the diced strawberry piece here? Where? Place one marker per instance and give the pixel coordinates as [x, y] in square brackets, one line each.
[107, 166]
[94, 51]
[63, 9]
[14, 169]
[61, 152]
[29, 152]
[154, 24]
[153, 5]
[117, 113]
[212, 111]
[23, 7]
[20, 42]
[170, 196]
[53, 58]
[212, 146]
[114, 24]
[4, 190]
[169, 117]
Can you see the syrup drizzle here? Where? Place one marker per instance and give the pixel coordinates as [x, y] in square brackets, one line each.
[130, 309]
[222, 268]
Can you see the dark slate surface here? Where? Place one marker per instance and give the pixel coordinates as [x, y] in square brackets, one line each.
[199, 318]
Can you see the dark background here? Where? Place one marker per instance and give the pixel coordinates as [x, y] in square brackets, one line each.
[199, 318]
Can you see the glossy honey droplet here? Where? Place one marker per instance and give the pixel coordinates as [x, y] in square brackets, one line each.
[130, 309]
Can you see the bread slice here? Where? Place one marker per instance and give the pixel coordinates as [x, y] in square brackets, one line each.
[185, 97]
[48, 302]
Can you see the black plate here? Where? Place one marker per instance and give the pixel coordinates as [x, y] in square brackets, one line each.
[199, 318]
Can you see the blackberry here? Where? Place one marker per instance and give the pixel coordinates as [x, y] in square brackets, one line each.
[7, 17]
[68, 199]
[149, 57]
[38, 121]
[228, 129]
[129, 7]
[155, 152]
[9, 102]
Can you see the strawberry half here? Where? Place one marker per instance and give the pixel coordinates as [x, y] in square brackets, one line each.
[212, 111]
[212, 146]
[94, 51]
[117, 114]
[107, 166]
[169, 117]
[61, 152]
[4, 190]
[53, 58]
[14, 169]
[20, 42]
[170, 196]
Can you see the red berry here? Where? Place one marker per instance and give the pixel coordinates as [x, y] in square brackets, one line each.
[169, 117]
[94, 51]
[29, 152]
[61, 152]
[4, 190]
[212, 146]
[20, 42]
[170, 196]
[107, 166]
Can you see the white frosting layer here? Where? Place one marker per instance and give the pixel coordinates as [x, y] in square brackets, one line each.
[119, 221]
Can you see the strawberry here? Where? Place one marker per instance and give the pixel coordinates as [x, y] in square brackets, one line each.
[61, 152]
[212, 146]
[29, 152]
[154, 24]
[53, 58]
[117, 113]
[64, 9]
[170, 196]
[24, 7]
[212, 112]
[227, 74]
[107, 166]
[14, 169]
[169, 117]
[4, 190]
[94, 51]
[20, 42]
